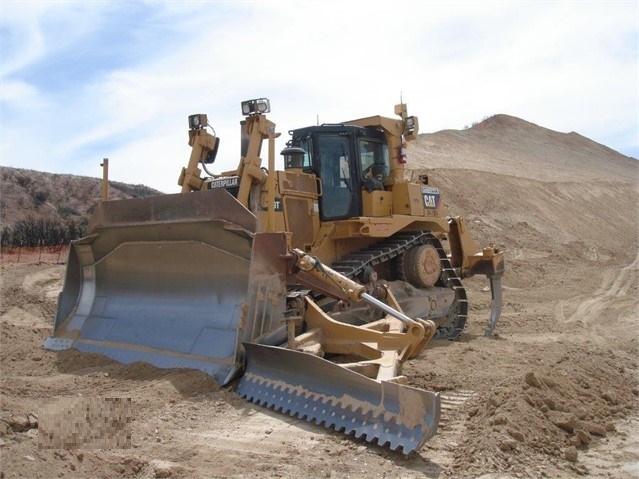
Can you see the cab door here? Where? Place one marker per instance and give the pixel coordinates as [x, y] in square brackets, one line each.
[340, 184]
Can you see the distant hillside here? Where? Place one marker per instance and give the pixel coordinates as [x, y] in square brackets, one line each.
[508, 145]
[53, 207]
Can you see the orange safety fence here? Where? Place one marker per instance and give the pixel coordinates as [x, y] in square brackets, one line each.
[35, 254]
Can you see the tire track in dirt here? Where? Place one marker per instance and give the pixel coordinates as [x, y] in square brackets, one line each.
[620, 457]
[450, 432]
[273, 436]
[613, 293]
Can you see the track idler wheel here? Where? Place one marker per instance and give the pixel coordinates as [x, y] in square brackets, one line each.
[420, 266]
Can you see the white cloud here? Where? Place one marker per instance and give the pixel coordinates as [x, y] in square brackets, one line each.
[34, 29]
[20, 94]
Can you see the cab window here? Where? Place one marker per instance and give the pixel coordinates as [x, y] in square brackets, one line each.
[374, 159]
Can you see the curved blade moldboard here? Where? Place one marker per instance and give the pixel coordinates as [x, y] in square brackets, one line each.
[323, 392]
[157, 284]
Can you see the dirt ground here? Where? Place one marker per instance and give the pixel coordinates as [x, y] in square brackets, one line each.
[553, 394]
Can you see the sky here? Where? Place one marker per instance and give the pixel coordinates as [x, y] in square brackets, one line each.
[85, 80]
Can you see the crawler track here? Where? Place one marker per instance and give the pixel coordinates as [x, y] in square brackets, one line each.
[354, 264]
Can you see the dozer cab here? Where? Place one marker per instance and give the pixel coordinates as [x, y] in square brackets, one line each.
[306, 289]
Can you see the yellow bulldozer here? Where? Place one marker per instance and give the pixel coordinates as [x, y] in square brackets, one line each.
[304, 289]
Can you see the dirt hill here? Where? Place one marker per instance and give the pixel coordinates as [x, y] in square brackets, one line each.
[552, 394]
[507, 145]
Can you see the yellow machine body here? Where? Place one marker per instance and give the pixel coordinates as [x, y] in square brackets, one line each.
[270, 276]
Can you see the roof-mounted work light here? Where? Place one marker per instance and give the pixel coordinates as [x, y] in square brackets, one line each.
[197, 122]
[411, 126]
[258, 106]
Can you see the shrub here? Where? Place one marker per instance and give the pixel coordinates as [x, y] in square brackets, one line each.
[39, 197]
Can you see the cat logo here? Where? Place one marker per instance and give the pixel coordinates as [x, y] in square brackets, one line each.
[429, 201]
[277, 205]
[431, 197]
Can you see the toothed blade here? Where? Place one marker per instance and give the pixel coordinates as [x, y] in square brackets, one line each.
[319, 391]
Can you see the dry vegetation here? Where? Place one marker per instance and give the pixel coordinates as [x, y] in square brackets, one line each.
[45, 208]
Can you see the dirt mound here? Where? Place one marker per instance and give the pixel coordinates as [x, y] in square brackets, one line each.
[551, 416]
[585, 219]
[507, 145]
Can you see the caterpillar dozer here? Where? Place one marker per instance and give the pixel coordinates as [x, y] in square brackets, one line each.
[305, 289]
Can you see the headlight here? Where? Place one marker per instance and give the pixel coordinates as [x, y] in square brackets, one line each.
[263, 106]
[256, 107]
[197, 122]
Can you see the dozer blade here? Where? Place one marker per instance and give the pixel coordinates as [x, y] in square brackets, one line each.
[161, 280]
[312, 388]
